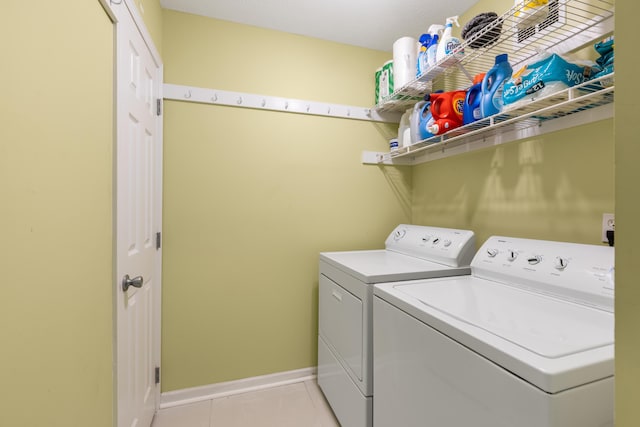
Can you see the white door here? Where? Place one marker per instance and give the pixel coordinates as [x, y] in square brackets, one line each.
[138, 216]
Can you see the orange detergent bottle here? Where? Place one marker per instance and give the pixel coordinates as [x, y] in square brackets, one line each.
[447, 109]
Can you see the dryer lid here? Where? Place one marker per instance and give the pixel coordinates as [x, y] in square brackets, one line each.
[377, 266]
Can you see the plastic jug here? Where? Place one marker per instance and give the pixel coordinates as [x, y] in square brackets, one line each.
[471, 111]
[414, 122]
[492, 86]
[404, 130]
[421, 119]
[447, 109]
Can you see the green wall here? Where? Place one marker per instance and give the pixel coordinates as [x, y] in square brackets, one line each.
[55, 217]
[627, 214]
[553, 187]
[251, 197]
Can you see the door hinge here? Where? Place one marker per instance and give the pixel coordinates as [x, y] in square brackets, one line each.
[157, 374]
[158, 240]
[158, 106]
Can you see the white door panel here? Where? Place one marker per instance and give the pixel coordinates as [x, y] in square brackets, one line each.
[138, 164]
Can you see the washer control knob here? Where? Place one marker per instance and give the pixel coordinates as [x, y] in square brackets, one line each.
[512, 255]
[560, 263]
[426, 238]
[492, 253]
[611, 277]
[436, 240]
[447, 243]
[534, 259]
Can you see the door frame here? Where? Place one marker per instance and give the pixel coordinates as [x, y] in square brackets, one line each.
[113, 8]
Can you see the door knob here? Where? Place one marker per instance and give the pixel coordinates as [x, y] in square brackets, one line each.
[136, 282]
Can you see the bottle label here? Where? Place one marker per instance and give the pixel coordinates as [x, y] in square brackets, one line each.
[451, 45]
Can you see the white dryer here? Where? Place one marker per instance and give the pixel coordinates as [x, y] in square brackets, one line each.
[525, 341]
[346, 279]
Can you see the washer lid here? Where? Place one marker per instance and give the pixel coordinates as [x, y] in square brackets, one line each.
[546, 326]
[377, 266]
[551, 343]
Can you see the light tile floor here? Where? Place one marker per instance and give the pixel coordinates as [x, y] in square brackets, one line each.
[295, 405]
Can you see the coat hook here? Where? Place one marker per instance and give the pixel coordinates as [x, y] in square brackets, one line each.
[286, 105]
[239, 100]
[264, 102]
[214, 98]
[187, 95]
[367, 111]
[329, 110]
[348, 112]
[308, 108]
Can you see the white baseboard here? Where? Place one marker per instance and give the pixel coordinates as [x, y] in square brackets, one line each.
[198, 394]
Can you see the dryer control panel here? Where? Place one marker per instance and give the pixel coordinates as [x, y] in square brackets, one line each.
[447, 246]
[576, 272]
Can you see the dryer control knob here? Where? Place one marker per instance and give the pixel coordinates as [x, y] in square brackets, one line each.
[426, 238]
[399, 234]
[512, 255]
[560, 263]
[447, 243]
[492, 253]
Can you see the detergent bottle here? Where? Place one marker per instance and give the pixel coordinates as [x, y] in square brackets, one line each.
[435, 31]
[471, 111]
[447, 110]
[415, 121]
[492, 86]
[421, 63]
[426, 120]
[448, 43]
[420, 121]
[404, 129]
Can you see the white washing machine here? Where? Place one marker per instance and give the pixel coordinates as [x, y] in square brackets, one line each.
[525, 341]
[345, 348]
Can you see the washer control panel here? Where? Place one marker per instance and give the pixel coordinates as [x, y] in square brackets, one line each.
[580, 273]
[447, 246]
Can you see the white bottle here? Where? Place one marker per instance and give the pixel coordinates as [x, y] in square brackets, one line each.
[404, 130]
[448, 43]
[436, 34]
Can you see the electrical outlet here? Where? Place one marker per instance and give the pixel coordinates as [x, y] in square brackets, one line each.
[608, 223]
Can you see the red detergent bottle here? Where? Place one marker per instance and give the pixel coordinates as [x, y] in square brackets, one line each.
[447, 111]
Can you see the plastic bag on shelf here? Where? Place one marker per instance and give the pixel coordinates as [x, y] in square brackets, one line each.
[605, 61]
[547, 74]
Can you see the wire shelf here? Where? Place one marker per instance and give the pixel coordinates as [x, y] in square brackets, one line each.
[568, 25]
[586, 96]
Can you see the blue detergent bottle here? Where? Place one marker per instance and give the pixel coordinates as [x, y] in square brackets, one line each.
[492, 85]
[425, 120]
[471, 110]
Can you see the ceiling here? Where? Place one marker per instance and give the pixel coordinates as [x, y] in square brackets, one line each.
[373, 24]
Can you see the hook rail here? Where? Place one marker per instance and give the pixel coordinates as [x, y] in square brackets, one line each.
[262, 102]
